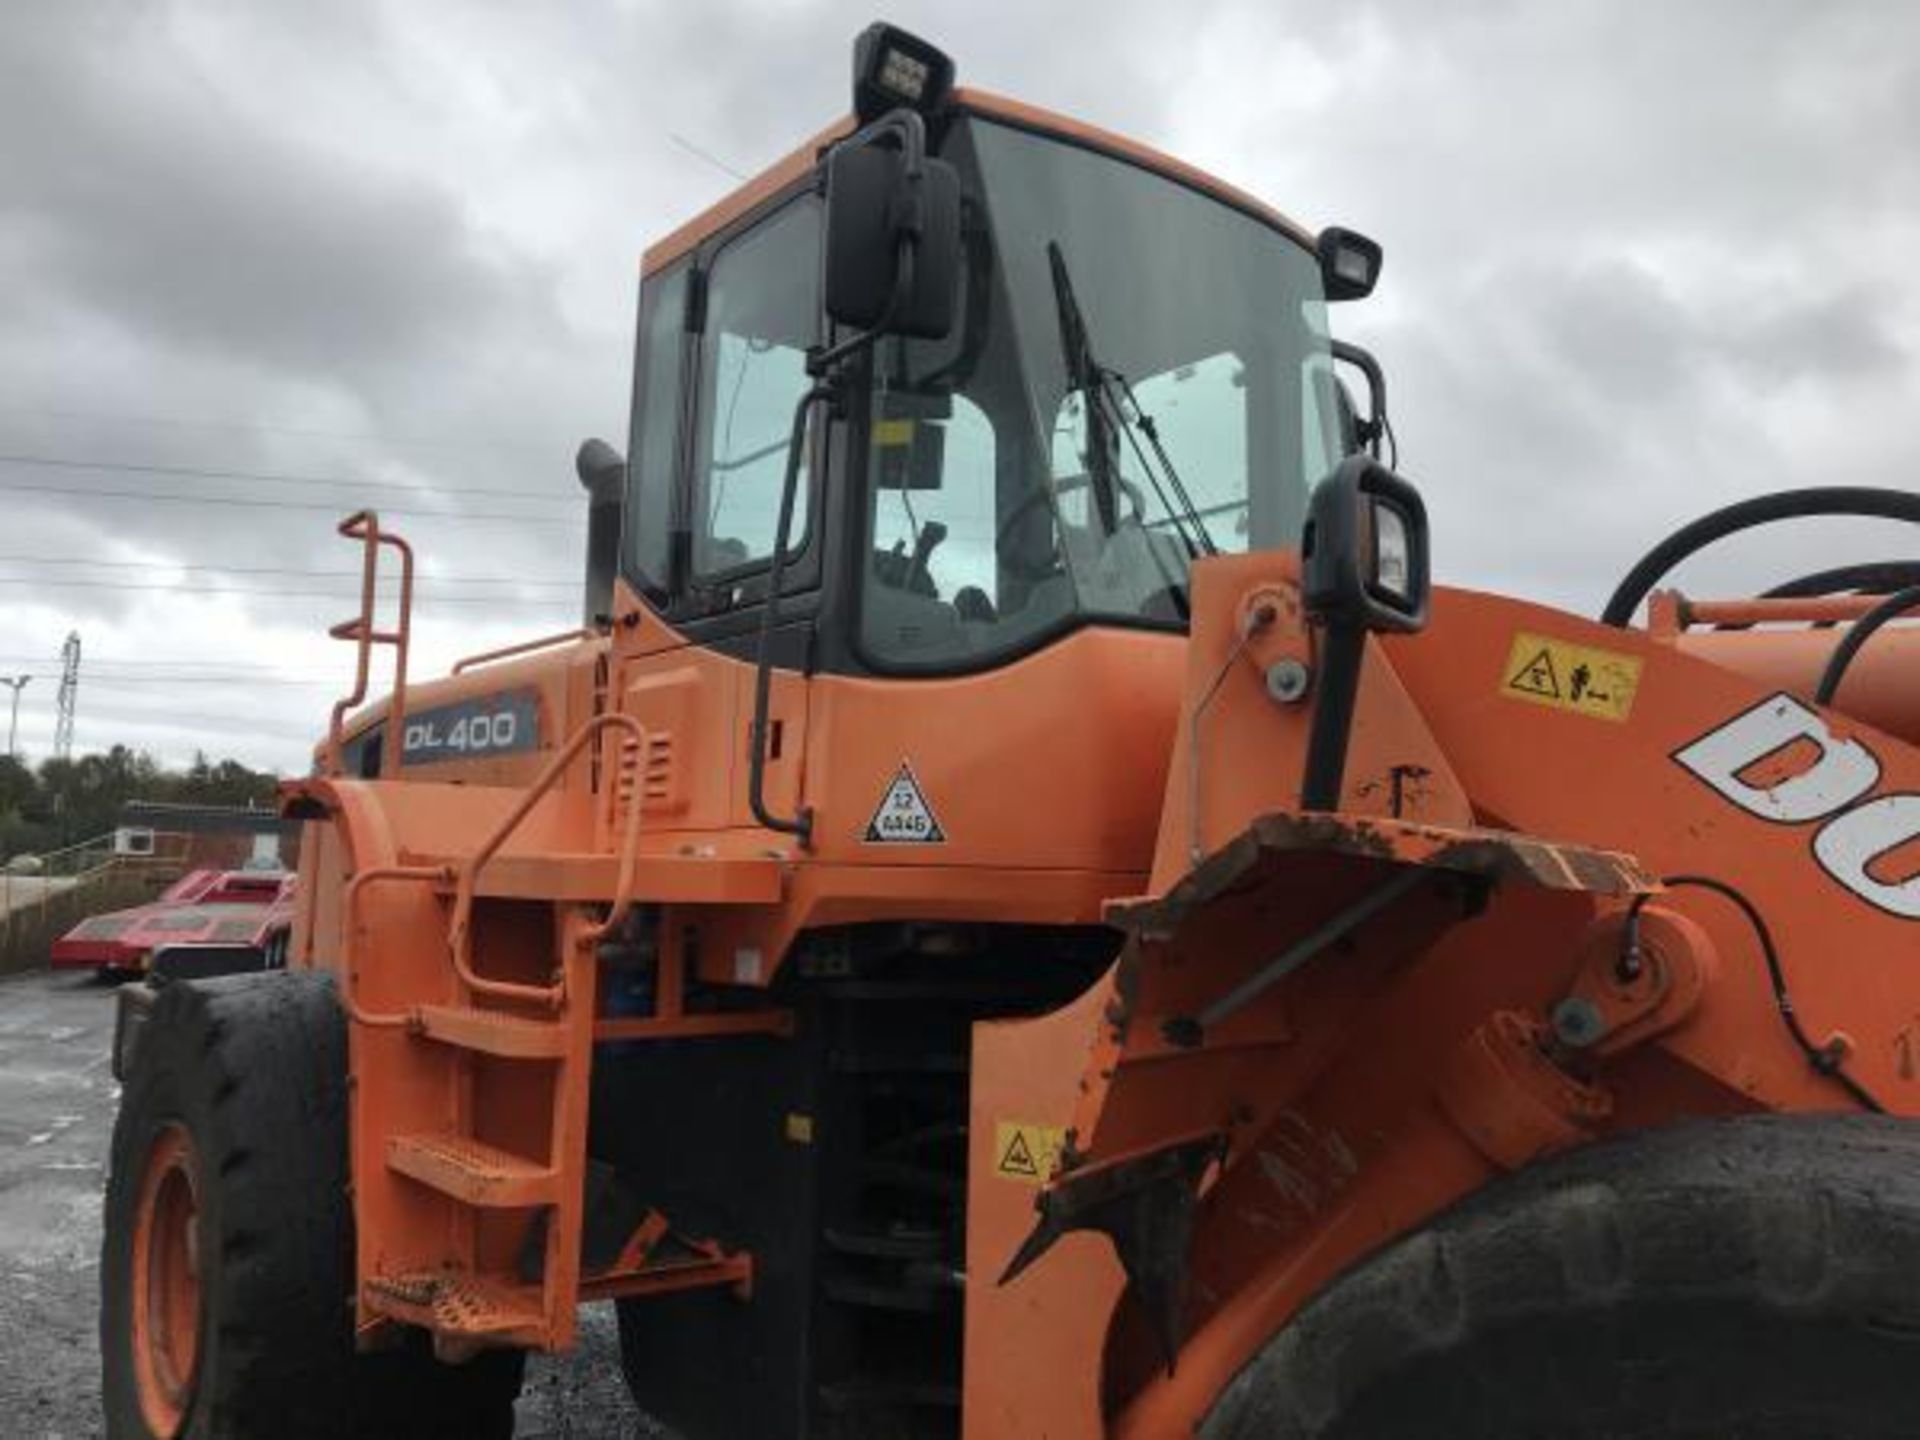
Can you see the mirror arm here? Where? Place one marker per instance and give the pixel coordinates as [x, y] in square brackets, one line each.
[1342, 651]
[1374, 426]
[822, 365]
[908, 126]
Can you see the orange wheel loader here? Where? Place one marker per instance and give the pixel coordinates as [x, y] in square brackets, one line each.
[1022, 912]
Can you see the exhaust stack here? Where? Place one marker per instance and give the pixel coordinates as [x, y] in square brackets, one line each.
[603, 471]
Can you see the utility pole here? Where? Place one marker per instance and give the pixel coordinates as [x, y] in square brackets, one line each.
[68, 697]
[16, 683]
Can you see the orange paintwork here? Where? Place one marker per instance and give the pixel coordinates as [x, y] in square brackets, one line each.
[165, 1271]
[1348, 1119]
[428, 893]
[1878, 686]
[1032, 1345]
[1146, 780]
[1245, 760]
[1334, 1151]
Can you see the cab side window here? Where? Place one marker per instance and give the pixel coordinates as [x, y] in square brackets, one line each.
[762, 309]
[654, 447]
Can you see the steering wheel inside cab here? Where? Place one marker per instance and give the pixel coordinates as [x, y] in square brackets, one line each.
[899, 570]
[1020, 561]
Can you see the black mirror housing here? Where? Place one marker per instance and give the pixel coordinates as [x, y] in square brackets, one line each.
[1366, 553]
[876, 209]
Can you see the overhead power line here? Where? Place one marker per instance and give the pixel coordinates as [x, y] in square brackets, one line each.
[95, 663]
[203, 662]
[335, 508]
[267, 427]
[270, 477]
[420, 576]
[270, 592]
[701, 153]
[135, 682]
[148, 718]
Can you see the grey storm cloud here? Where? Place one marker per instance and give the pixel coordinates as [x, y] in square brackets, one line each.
[1642, 260]
[148, 202]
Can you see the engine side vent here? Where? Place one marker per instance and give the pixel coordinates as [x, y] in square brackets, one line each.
[656, 776]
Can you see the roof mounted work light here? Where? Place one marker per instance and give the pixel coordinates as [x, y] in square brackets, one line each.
[892, 68]
[1349, 263]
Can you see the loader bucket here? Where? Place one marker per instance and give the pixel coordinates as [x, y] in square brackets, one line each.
[1247, 984]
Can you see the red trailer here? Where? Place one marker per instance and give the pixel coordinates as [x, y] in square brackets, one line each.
[225, 909]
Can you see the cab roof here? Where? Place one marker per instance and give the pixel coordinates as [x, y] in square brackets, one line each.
[796, 165]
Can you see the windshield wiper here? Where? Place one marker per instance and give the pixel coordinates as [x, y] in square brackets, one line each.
[1109, 399]
[1084, 375]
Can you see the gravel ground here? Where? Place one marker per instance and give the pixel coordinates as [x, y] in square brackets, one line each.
[56, 1116]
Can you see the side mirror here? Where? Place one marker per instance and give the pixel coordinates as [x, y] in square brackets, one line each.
[1365, 551]
[883, 214]
[1365, 566]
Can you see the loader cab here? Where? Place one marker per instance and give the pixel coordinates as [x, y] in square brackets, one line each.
[1138, 373]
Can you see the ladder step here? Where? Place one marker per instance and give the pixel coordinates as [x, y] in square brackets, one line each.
[460, 1305]
[900, 1243]
[473, 1172]
[905, 1297]
[844, 1397]
[493, 1032]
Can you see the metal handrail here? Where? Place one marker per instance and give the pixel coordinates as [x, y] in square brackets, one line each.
[525, 647]
[364, 526]
[1762, 610]
[460, 931]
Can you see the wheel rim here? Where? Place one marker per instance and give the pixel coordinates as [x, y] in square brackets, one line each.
[166, 1281]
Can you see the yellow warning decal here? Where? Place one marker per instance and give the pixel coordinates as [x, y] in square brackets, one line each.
[1546, 671]
[1028, 1153]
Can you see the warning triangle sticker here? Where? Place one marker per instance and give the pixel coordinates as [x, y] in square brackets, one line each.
[1536, 677]
[904, 817]
[1018, 1159]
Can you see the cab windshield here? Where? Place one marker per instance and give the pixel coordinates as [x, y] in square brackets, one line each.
[1141, 375]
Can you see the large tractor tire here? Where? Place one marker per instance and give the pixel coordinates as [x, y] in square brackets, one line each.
[226, 1270]
[1751, 1279]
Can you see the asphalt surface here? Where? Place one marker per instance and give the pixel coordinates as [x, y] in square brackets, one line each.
[57, 1101]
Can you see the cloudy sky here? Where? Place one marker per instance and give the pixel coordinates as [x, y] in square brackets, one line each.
[263, 262]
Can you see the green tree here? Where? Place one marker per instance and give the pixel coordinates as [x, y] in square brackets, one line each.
[68, 801]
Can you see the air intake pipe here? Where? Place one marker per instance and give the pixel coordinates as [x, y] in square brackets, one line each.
[603, 471]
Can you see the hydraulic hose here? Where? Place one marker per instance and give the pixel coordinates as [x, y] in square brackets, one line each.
[1895, 605]
[1862, 500]
[1873, 577]
[1829, 1059]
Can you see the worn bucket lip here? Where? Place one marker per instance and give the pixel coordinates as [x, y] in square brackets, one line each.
[1501, 856]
